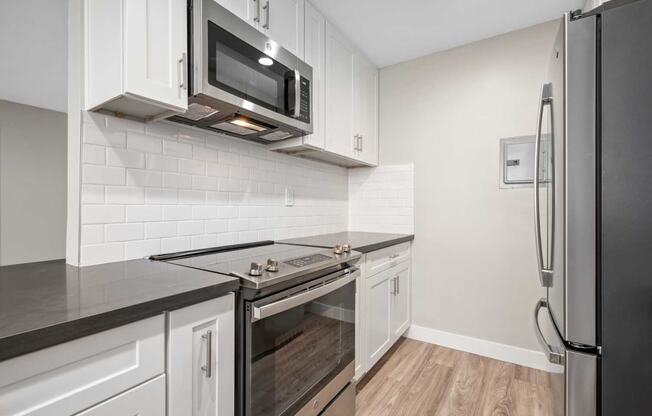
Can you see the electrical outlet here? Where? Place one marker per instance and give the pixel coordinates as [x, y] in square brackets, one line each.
[289, 197]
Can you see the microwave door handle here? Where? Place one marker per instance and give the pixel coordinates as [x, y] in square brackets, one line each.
[544, 277]
[297, 94]
[261, 312]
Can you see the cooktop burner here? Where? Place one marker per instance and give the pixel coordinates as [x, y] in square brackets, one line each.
[260, 264]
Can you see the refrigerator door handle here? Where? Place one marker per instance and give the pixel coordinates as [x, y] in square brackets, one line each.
[545, 273]
[552, 353]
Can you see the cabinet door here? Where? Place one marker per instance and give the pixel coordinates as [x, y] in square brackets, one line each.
[155, 51]
[201, 359]
[400, 306]
[244, 9]
[148, 399]
[340, 80]
[314, 53]
[366, 101]
[282, 21]
[378, 293]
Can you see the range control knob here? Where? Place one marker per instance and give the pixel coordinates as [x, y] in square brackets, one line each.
[346, 248]
[272, 265]
[338, 249]
[256, 269]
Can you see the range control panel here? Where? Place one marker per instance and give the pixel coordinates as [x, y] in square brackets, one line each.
[307, 260]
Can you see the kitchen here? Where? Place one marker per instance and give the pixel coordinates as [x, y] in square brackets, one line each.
[306, 207]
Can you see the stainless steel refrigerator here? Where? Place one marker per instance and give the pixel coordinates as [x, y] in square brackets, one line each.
[593, 211]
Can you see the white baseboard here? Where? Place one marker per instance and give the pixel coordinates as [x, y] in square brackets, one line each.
[495, 350]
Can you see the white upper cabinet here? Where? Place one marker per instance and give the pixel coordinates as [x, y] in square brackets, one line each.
[136, 60]
[283, 21]
[340, 83]
[314, 56]
[366, 118]
[244, 9]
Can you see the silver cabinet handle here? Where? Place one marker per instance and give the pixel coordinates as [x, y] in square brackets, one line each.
[552, 353]
[266, 8]
[361, 142]
[207, 368]
[257, 18]
[355, 141]
[393, 256]
[183, 72]
[545, 273]
[398, 285]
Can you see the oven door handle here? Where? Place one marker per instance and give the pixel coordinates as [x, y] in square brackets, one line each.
[261, 312]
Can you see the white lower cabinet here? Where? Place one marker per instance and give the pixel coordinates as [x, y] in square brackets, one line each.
[379, 316]
[201, 367]
[148, 399]
[122, 371]
[383, 310]
[70, 377]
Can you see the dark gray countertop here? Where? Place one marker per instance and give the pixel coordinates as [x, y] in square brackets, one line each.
[47, 303]
[360, 241]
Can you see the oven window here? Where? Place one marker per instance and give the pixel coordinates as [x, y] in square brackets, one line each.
[233, 66]
[299, 350]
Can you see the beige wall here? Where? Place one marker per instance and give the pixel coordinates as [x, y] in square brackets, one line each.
[474, 262]
[32, 184]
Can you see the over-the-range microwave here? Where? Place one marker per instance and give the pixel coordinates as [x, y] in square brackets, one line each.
[240, 82]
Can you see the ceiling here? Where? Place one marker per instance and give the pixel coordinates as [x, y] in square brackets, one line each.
[33, 52]
[390, 31]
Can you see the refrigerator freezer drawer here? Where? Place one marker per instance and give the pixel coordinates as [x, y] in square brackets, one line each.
[581, 383]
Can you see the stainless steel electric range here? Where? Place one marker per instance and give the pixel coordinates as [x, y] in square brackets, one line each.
[295, 329]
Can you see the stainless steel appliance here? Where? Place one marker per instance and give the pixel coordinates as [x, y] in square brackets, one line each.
[295, 325]
[240, 82]
[593, 199]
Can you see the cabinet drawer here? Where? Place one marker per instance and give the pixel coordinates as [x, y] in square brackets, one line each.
[145, 400]
[383, 259]
[71, 377]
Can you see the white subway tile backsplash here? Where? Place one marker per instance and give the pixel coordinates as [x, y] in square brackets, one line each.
[204, 153]
[177, 180]
[125, 158]
[95, 174]
[381, 199]
[191, 227]
[144, 213]
[142, 248]
[144, 178]
[217, 226]
[174, 244]
[123, 232]
[162, 187]
[102, 214]
[124, 195]
[192, 197]
[161, 196]
[93, 154]
[160, 229]
[177, 212]
[92, 234]
[149, 144]
[194, 167]
[174, 148]
[164, 163]
[92, 194]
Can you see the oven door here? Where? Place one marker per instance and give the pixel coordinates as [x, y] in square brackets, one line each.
[250, 74]
[300, 343]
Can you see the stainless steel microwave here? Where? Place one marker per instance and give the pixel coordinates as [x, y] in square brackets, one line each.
[240, 82]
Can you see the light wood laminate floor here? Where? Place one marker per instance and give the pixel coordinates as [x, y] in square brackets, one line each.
[416, 378]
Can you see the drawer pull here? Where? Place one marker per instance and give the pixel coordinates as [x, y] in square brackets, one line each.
[393, 256]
